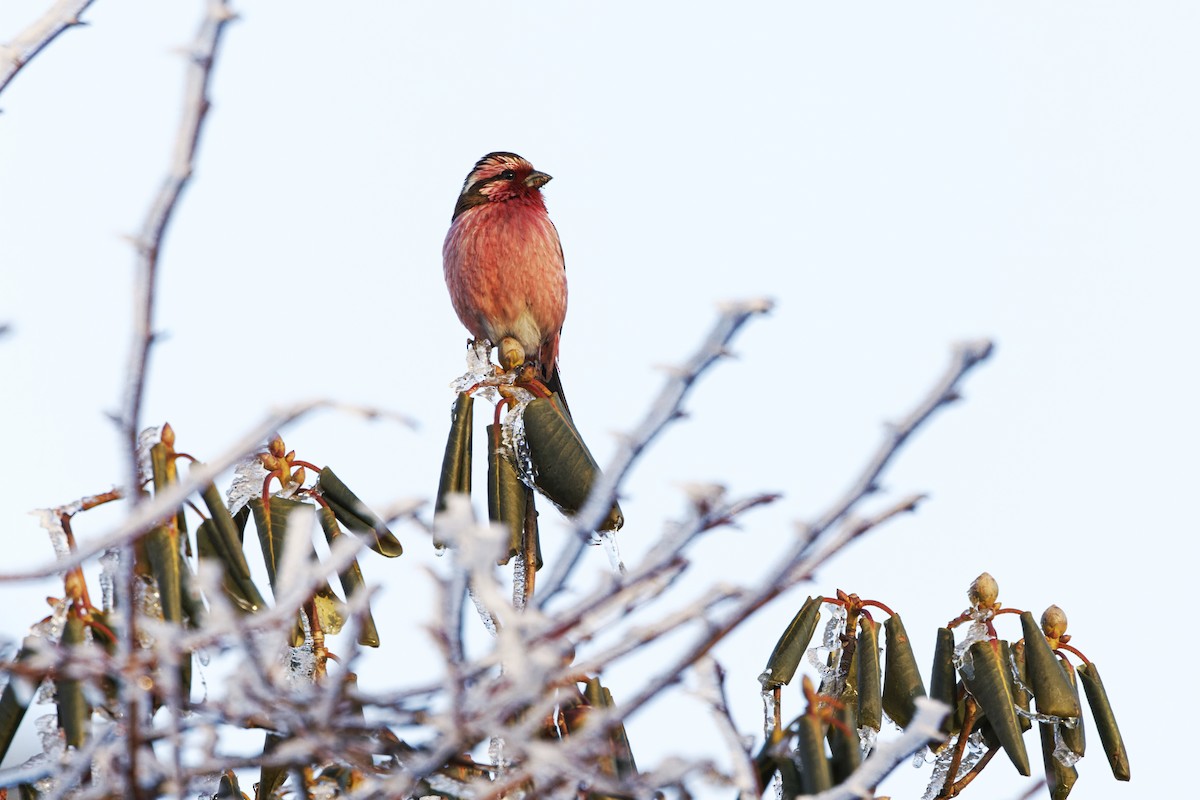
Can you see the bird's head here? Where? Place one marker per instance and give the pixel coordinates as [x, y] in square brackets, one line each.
[498, 178]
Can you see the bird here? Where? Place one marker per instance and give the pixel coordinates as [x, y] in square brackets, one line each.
[504, 267]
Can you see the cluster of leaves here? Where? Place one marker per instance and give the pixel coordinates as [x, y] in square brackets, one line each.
[986, 681]
[180, 606]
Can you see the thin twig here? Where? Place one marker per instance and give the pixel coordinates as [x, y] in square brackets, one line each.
[166, 502]
[149, 246]
[712, 691]
[666, 407]
[202, 56]
[28, 43]
[787, 573]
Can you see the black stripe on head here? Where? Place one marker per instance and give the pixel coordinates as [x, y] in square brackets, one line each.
[472, 192]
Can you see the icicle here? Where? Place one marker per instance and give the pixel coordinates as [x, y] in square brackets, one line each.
[768, 698]
[512, 432]
[484, 614]
[608, 540]
[519, 572]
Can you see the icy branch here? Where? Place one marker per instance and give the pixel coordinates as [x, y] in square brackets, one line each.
[924, 728]
[28, 43]
[145, 515]
[202, 56]
[666, 407]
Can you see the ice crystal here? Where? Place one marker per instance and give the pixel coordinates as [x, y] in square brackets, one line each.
[520, 569]
[866, 740]
[146, 440]
[978, 632]
[482, 376]
[110, 564]
[51, 627]
[54, 741]
[248, 477]
[497, 756]
[1065, 755]
[608, 540]
[768, 698]
[484, 615]
[512, 434]
[51, 520]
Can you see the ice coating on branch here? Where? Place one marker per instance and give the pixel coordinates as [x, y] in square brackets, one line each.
[1065, 755]
[768, 698]
[150, 603]
[484, 615]
[482, 375]
[976, 749]
[146, 440]
[51, 627]
[978, 632]
[512, 434]
[54, 742]
[519, 572]
[866, 740]
[496, 755]
[826, 657]
[110, 564]
[608, 540]
[51, 520]
[248, 477]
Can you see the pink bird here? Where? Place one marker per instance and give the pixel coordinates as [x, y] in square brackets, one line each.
[504, 264]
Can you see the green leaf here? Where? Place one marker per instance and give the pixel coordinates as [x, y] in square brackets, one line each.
[1047, 679]
[870, 690]
[564, 469]
[902, 683]
[988, 680]
[354, 514]
[456, 462]
[792, 645]
[943, 680]
[508, 500]
[351, 578]
[74, 712]
[1106, 722]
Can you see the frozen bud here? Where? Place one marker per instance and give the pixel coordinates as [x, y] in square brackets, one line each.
[1054, 622]
[167, 436]
[276, 447]
[268, 461]
[984, 590]
[299, 476]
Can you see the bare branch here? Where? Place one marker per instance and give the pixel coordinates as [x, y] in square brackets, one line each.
[202, 56]
[794, 566]
[28, 43]
[665, 409]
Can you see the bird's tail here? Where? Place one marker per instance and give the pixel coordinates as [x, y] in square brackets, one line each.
[553, 382]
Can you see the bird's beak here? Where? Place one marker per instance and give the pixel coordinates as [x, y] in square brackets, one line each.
[537, 180]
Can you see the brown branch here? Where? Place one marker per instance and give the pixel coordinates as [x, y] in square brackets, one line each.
[202, 56]
[28, 43]
[791, 568]
[667, 407]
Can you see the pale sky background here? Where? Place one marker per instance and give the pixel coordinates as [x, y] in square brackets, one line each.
[897, 176]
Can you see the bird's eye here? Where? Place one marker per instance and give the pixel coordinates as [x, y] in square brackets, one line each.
[508, 175]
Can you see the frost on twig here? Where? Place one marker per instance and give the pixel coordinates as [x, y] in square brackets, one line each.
[925, 727]
[21, 49]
